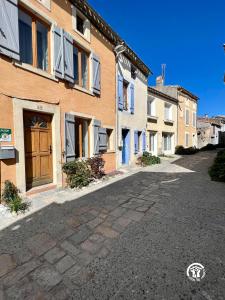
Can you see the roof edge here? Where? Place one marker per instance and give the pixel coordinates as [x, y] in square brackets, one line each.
[110, 34]
[159, 93]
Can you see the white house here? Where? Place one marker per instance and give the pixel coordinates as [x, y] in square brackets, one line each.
[132, 84]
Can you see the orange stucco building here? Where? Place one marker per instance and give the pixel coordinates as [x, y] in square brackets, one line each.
[57, 90]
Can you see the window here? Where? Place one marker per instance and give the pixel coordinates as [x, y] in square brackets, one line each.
[167, 138]
[33, 40]
[152, 137]
[194, 119]
[125, 95]
[81, 70]
[214, 129]
[186, 139]
[187, 117]
[109, 139]
[168, 111]
[82, 138]
[133, 72]
[151, 107]
[80, 24]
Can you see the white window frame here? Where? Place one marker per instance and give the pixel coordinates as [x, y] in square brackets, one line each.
[187, 123]
[153, 106]
[169, 106]
[168, 136]
[194, 119]
[87, 24]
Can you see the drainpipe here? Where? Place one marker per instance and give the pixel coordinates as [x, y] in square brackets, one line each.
[118, 50]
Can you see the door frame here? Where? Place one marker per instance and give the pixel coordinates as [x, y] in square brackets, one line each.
[19, 106]
[127, 142]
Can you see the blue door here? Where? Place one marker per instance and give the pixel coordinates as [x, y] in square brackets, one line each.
[126, 145]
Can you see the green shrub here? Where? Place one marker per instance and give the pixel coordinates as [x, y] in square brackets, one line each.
[148, 159]
[12, 199]
[209, 147]
[217, 170]
[96, 164]
[78, 173]
[180, 150]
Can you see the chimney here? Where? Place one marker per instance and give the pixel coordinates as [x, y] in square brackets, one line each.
[159, 81]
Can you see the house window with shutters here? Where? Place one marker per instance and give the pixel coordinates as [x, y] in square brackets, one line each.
[151, 111]
[194, 119]
[80, 64]
[81, 137]
[33, 41]
[167, 141]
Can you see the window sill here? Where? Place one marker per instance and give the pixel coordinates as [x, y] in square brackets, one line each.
[81, 89]
[83, 35]
[169, 122]
[34, 70]
[149, 117]
[110, 151]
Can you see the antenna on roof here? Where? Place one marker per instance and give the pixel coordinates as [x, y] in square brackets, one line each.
[163, 72]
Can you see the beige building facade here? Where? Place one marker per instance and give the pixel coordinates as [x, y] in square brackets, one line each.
[187, 114]
[162, 111]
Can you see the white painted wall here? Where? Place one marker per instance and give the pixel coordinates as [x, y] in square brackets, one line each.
[138, 120]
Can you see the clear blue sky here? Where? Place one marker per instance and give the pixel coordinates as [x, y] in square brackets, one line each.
[185, 35]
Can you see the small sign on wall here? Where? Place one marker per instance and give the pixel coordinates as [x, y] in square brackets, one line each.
[5, 135]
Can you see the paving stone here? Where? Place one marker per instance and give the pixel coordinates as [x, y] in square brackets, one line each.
[86, 217]
[95, 222]
[82, 277]
[71, 273]
[144, 208]
[96, 238]
[84, 258]
[20, 272]
[70, 248]
[94, 212]
[7, 263]
[73, 222]
[81, 235]
[80, 210]
[46, 277]
[122, 221]
[103, 216]
[54, 255]
[134, 203]
[24, 289]
[40, 243]
[90, 246]
[119, 211]
[60, 292]
[21, 256]
[134, 215]
[64, 264]
[64, 233]
[107, 232]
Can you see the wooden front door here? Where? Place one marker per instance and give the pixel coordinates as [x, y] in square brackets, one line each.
[38, 148]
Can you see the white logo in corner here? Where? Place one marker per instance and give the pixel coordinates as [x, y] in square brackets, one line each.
[196, 272]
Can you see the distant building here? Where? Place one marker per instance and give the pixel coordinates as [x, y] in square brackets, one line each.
[187, 112]
[161, 122]
[209, 131]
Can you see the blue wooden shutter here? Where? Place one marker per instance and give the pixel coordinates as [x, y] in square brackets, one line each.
[102, 139]
[96, 126]
[58, 52]
[68, 57]
[120, 92]
[143, 140]
[96, 74]
[135, 142]
[69, 137]
[9, 29]
[132, 98]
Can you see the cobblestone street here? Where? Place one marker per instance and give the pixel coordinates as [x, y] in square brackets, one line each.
[132, 239]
